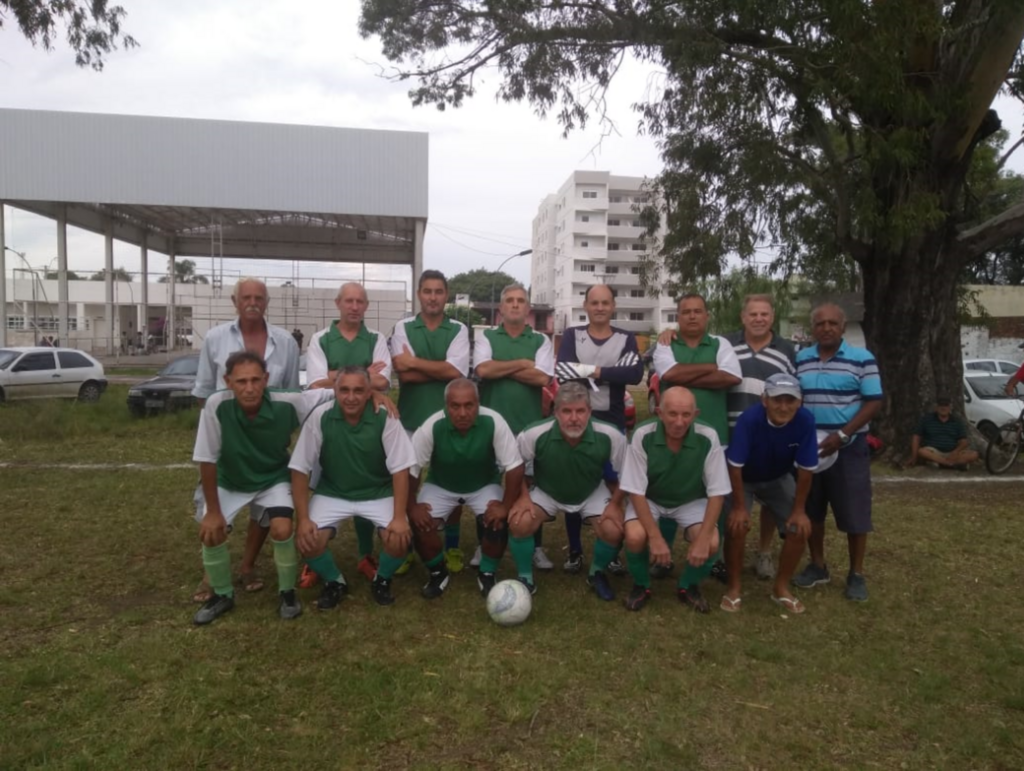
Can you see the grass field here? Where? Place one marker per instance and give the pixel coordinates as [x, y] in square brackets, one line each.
[101, 667]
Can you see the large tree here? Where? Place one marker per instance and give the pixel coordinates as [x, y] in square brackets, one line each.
[92, 28]
[185, 273]
[482, 285]
[830, 130]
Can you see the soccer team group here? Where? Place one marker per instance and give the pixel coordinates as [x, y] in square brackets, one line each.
[741, 419]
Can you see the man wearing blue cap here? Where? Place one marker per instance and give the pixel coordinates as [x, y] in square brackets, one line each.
[769, 439]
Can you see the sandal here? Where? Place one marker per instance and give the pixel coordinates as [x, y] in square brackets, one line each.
[250, 581]
[729, 605]
[203, 592]
[792, 604]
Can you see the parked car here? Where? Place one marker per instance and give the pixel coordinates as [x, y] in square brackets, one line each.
[46, 373]
[548, 403]
[990, 365]
[170, 390]
[986, 404]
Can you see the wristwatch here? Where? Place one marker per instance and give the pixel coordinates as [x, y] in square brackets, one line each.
[843, 437]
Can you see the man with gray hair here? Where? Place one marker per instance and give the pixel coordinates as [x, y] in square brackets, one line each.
[570, 453]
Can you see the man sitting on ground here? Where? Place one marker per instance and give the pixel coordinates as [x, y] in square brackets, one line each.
[941, 438]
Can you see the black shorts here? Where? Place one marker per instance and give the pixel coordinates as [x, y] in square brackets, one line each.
[846, 486]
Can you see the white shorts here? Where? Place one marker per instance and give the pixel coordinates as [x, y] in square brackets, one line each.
[688, 514]
[442, 501]
[593, 506]
[232, 502]
[326, 512]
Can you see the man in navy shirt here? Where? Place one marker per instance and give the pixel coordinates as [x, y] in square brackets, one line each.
[769, 439]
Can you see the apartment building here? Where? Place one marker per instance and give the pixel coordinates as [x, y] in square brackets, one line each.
[588, 233]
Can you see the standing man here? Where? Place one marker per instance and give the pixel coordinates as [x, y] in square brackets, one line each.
[941, 438]
[514, 364]
[843, 391]
[249, 332]
[348, 342]
[609, 358]
[761, 354]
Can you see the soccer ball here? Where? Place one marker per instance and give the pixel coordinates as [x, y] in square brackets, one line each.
[509, 603]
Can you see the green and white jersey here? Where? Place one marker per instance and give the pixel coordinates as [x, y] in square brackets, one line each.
[356, 461]
[518, 403]
[465, 463]
[252, 453]
[568, 473]
[330, 350]
[669, 478]
[450, 343]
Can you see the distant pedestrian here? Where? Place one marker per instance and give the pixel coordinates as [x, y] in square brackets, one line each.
[298, 336]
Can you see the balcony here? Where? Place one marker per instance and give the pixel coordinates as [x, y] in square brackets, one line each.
[624, 231]
[591, 204]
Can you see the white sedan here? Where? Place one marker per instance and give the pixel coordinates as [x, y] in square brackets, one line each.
[46, 373]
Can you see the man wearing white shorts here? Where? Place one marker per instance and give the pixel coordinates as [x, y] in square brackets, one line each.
[365, 457]
[242, 452]
[675, 469]
[468, 448]
[570, 452]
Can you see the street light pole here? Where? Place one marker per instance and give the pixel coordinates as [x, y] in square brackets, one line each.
[494, 282]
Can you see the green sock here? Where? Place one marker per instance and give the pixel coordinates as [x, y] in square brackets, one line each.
[639, 567]
[217, 562]
[433, 563]
[693, 576]
[287, 561]
[668, 528]
[488, 564]
[388, 565]
[603, 554]
[364, 536]
[522, 553]
[325, 567]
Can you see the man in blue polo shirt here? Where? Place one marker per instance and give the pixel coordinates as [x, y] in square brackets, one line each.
[843, 391]
[768, 439]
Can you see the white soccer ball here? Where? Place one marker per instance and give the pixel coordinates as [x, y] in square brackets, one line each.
[824, 464]
[509, 603]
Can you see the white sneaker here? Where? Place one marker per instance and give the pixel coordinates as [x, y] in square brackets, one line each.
[765, 566]
[475, 562]
[541, 561]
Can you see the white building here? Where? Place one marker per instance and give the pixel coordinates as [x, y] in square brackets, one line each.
[588, 233]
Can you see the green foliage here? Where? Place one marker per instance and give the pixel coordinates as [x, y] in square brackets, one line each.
[55, 275]
[724, 296]
[120, 274]
[466, 315]
[482, 286]
[92, 28]
[185, 273]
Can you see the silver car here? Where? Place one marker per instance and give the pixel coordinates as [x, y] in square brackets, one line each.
[48, 373]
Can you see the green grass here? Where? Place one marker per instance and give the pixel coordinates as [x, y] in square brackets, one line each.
[101, 668]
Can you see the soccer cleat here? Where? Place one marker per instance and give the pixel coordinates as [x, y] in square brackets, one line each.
[212, 609]
[662, 571]
[381, 590]
[368, 567]
[485, 581]
[528, 584]
[616, 568]
[765, 566]
[719, 572]
[811, 576]
[638, 597]
[454, 559]
[307, 578]
[405, 566]
[331, 594]
[575, 562]
[436, 583]
[540, 559]
[290, 606]
[599, 583]
[691, 597]
[856, 588]
[477, 556]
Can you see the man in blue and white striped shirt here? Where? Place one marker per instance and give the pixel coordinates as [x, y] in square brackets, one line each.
[843, 391]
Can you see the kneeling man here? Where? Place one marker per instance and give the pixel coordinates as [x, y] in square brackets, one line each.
[365, 456]
[467, 448]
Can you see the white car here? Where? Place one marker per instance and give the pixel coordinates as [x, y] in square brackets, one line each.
[986, 403]
[47, 373]
[990, 365]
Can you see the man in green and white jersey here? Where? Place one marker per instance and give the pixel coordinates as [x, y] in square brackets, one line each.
[364, 456]
[242, 452]
[570, 453]
[675, 469]
[514, 363]
[468, 448]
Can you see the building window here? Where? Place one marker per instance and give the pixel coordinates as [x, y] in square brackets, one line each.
[636, 316]
[636, 292]
[586, 268]
[671, 318]
[612, 269]
[635, 223]
[15, 322]
[584, 244]
[584, 218]
[582, 317]
[635, 270]
[614, 223]
[614, 246]
[637, 247]
[590, 194]
[615, 199]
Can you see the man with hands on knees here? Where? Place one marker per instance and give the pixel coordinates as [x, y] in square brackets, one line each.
[365, 456]
[769, 439]
[674, 468]
[467, 448]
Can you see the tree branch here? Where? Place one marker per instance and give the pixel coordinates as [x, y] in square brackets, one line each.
[975, 241]
[1006, 156]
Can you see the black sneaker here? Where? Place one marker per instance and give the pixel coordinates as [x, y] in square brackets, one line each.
[212, 609]
[381, 591]
[662, 571]
[616, 568]
[436, 583]
[599, 583]
[290, 606]
[575, 562]
[691, 597]
[638, 597]
[529, 585]
[719, 572]
[332, 593]
[486, 582]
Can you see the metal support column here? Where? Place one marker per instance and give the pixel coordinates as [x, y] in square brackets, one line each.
[143, 323]
[108, 279]
[417, 261]
[3, 279]
[62, 275]
[171, 336]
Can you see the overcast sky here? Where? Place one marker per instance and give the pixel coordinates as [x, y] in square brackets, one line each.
[490, 163]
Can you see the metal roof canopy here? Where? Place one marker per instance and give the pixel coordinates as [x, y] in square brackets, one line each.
[209, 188]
